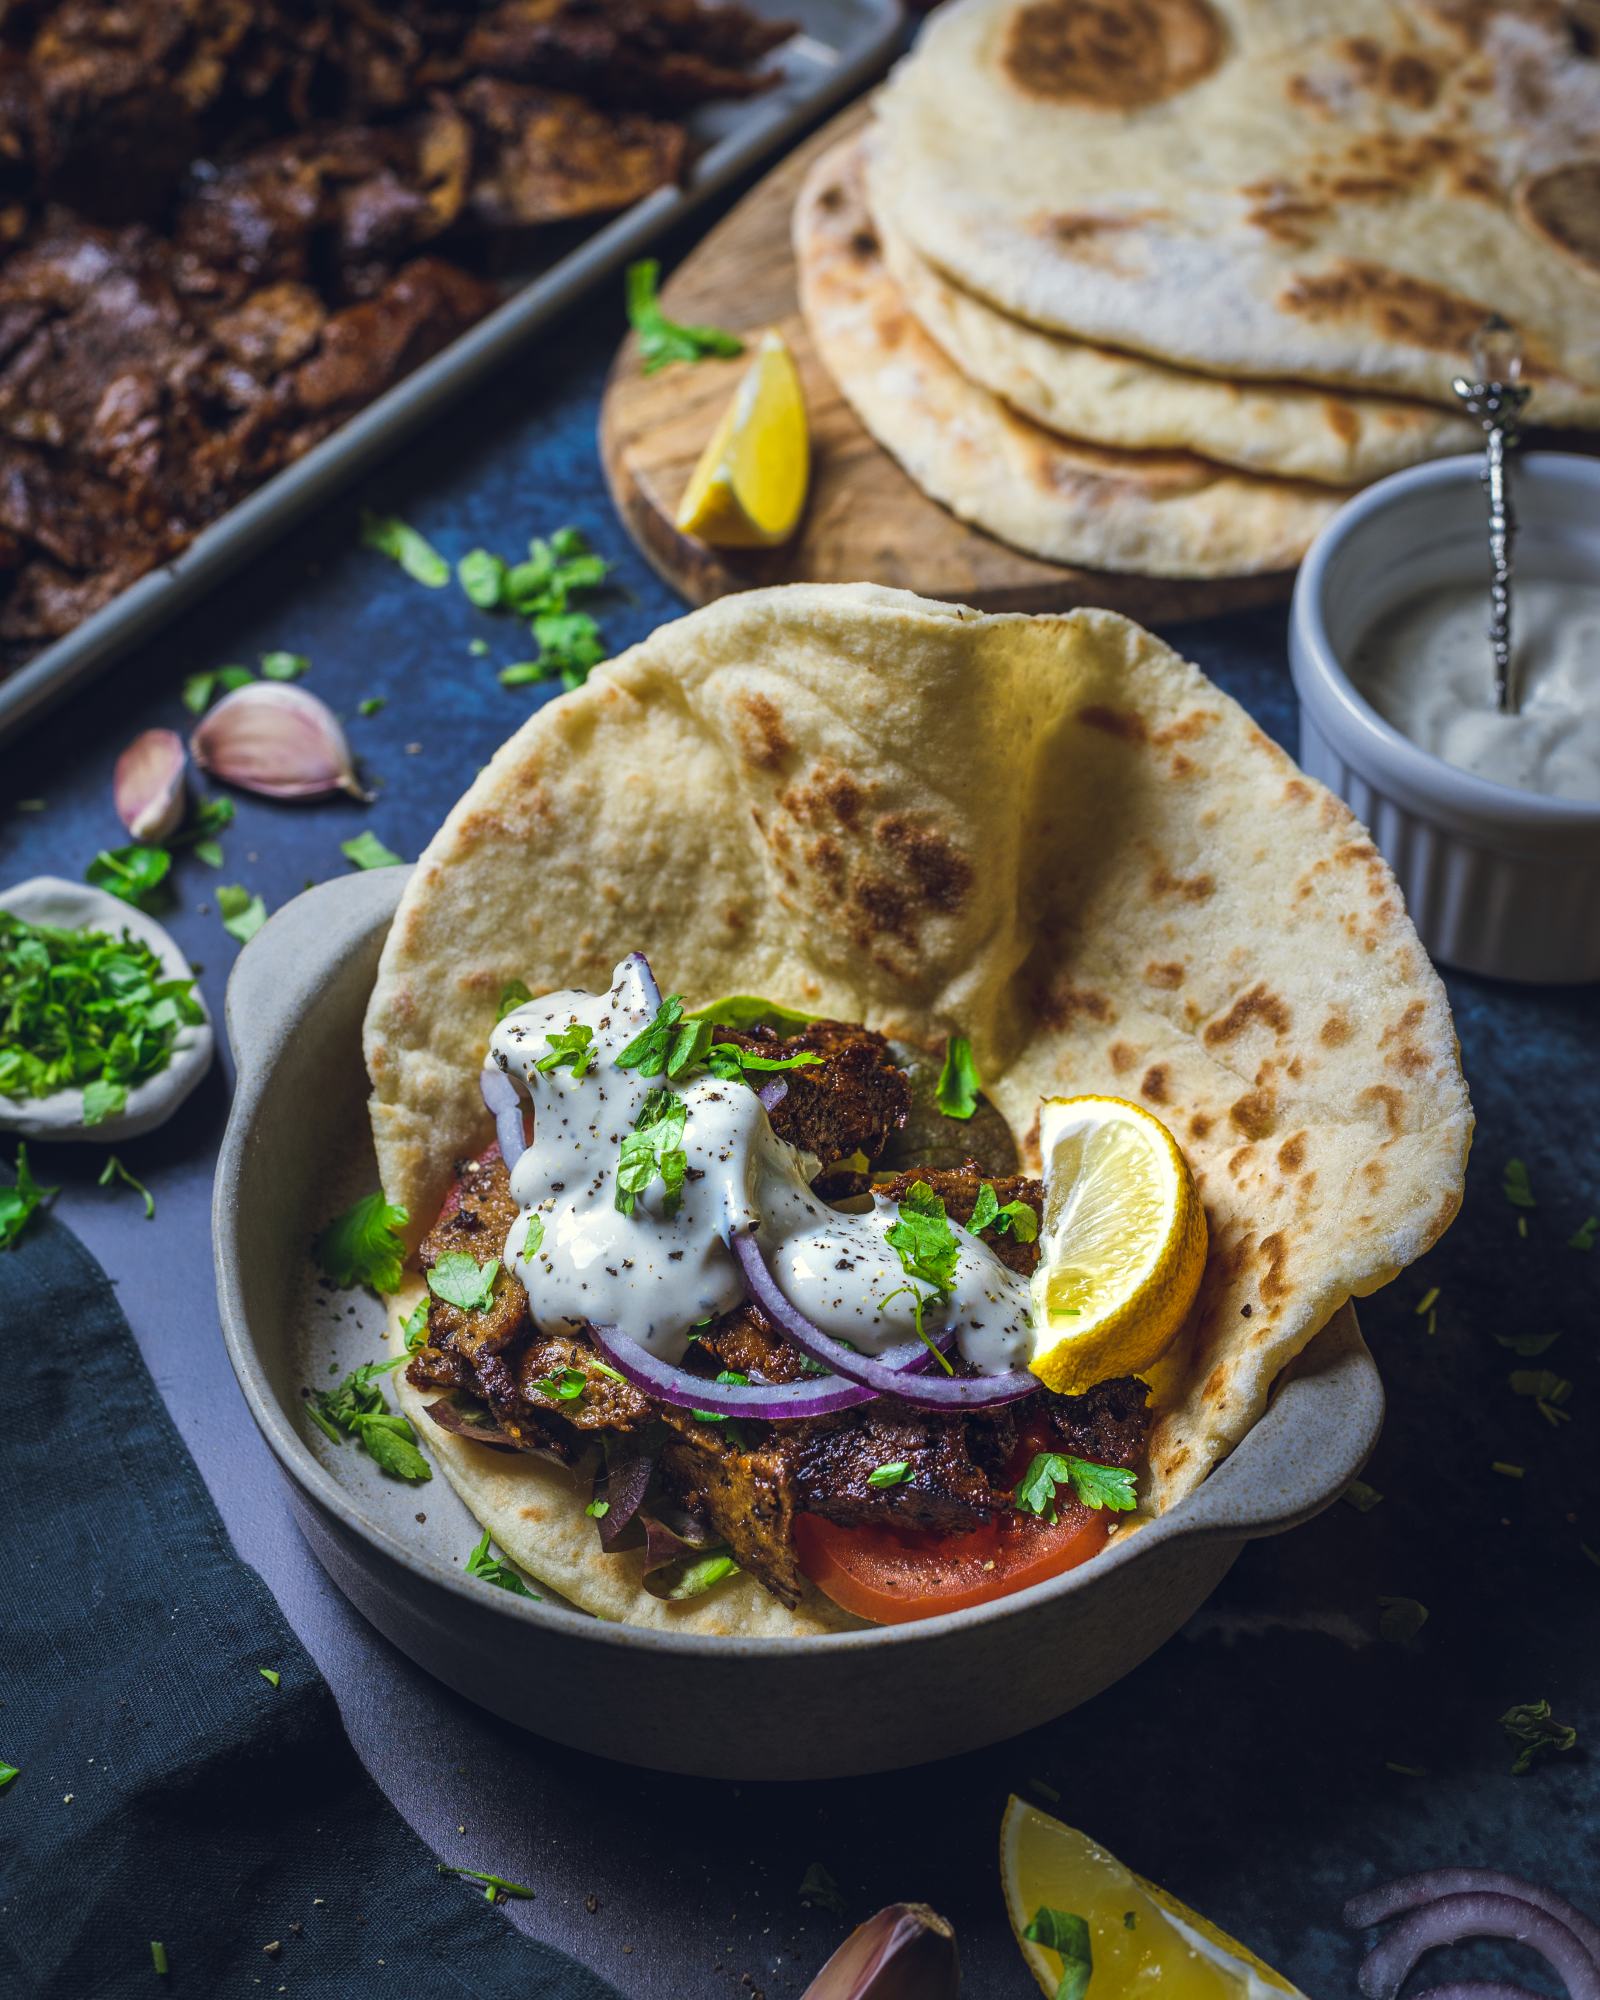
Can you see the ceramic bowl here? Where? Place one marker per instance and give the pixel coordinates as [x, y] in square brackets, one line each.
[1496, 880]
[297, 1149]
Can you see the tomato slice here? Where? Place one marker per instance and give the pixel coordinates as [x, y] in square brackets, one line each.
[894, 1575]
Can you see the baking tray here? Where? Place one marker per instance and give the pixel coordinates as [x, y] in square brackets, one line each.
[839, 47]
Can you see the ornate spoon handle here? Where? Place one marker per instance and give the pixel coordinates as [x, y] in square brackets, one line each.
[1496, 399]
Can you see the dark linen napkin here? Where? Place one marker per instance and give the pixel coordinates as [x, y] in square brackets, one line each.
[167, 1791]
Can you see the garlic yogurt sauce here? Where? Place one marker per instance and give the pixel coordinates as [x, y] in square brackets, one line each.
[1425, 669]
[655, 1274]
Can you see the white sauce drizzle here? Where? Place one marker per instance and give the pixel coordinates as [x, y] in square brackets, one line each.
[656, 1275]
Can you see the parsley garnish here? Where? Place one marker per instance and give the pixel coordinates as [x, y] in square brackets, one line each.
[489, 1569]
[462, 1281]
[662, 340]
[371, 704]
[654, 1146]
[494, 1886]
[135, 873]
[819, 1891]
[1531, 1725]
[114, 1170]
[542, 590]
[929, 1251]
[727, 1061]
[958, 1088]
[597, 1510]
[567, 1385]
[895, 1473]
[1095, 1486]
[242, 914]
[21, 1201]
[356, 1408]
[270, 1675]
[1583, 1237]
[668, 1043]
[1400, 1619]
[368, 851]
[284, 666]
[86, 1009]
[417, 556]
[1068, 1937]
[200, 690]
[414, 1327]
[7, 1773]
[1361, 1496]
[511, 998]
[483, 578]
[734, 1379]
[1528, 1345]
[1550, 1392]
[158, 1956]
[363, 1246]
[1515, 1185]
[573, 1045]
[693, 1576]
[1017, 1216]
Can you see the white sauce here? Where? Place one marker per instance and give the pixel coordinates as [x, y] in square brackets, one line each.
[1426, 669]
[656, 1275]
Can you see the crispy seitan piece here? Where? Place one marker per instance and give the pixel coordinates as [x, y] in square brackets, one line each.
[957, 1188]
[848, 1103]
[745, 1492]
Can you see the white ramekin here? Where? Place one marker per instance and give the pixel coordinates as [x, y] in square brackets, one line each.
[1497, 880]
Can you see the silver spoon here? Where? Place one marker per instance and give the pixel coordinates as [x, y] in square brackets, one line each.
[1496, 399]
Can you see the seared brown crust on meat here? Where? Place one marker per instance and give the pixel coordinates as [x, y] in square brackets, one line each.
[957, 1188]
[944, 1488]
[606, 1404]
[848, 1103]
[745, 1493]
[747, 1342]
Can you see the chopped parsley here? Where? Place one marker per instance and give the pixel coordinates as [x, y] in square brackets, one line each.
[363, 1246]
[200, 690]
[284, 666]
[1583, 1237]
[692, 1576]
[366, 850]
[668, 1043]
[958, 1088]
[929, 1251]
[371, 704]
[390, 536]
[20, 1202]
[567, 1385]
[1528, 1345]
[462, 1281]
[88, 1010]
[597, 1510]
[158, 1956]
[542, 590]
[895, 1473]
[242, 913]
[489, 1569]
[1515, 1185]
[1017, 1216]
[1068, 1937]
[114, 1171]
[735, 1380]
[1507, 1470]
[1535, 1731]
[1550, 1392]
[494, 1886]
[483, 577]
[728, 1062]
[1361, 1496]
[1400, 1619]
[7, 1773]
[654, 1147]
[511, 998]
[414, 1327]
[1095, 1486]
[135, 873]
[819, 1890]
[356, 1408]
[572, 1045]
[270, 1675]
[662, 340]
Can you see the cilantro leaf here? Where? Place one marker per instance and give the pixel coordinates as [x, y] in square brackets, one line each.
[662, 340]
[390, 536]
[284, 666]
[511, 998]
[491, 1570]
[356, 1408]
[136, 873]
[1535, 1730]
[366, 850]
[462, 1281]
[1095, 1486]
[363, 1246]
[573, 1045]
[114, 1170]
[895, 1473]
[958, 1089]
[21, 1201]
[1068, 1937]
[242, 914]
[1515, 1185]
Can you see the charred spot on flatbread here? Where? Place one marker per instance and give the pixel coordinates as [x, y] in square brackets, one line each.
[1117, 53]
[1563, 206]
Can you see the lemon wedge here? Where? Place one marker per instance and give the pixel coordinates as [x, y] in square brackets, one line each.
[749, 488]
[1141, 1940]
[1121, 1246]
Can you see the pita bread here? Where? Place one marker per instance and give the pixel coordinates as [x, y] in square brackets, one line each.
[1052, 834]
[1154, 513]
[1266, 188]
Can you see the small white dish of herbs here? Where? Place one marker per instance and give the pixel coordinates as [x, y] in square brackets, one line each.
[103, 1032]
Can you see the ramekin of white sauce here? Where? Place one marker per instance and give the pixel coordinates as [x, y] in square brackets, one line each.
[1491, 823]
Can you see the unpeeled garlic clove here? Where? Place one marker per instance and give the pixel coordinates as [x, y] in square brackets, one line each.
[905, 1952]
[148, 785]
[277, 739]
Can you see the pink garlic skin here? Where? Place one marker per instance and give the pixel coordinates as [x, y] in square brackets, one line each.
[148, 785]
[276, 739]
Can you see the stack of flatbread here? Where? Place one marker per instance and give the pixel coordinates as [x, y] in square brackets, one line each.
[1152, 285]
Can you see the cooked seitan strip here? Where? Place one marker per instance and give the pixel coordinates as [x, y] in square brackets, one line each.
[745, 1493]
[957, 1188]
[848, 1103]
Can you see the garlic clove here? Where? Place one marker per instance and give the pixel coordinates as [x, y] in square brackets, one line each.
[277, 739]
[148, 785]
[905, 1952]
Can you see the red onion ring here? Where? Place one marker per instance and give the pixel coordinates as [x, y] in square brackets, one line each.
[814, 1396]
[501, 1097]
[626, 1481]
[1477, 1913]
[875, 1372]
[772, 1094]
[1392, 1899]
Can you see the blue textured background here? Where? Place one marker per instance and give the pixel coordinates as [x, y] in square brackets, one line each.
[1244, 1766]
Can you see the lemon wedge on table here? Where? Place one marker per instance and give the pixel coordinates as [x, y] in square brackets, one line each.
[1143, 1943]
[1122, 1243]
[749, 488]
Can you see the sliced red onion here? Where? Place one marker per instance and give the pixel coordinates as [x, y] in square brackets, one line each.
[1392, 1899]
[813, 1396]
[501, 1096]
[489, 1434]
[880, 1373]
[772, 1094]
[623, 1489]
[1478, 1913]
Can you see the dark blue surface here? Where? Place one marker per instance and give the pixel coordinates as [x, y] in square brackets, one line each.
[1246, 1765]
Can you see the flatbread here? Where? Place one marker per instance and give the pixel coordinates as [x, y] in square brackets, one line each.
[1129, 402]
[1153, 513]
[1051, 834]
[1268, 188]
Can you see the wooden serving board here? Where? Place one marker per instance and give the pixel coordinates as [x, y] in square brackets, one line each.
[865, 522]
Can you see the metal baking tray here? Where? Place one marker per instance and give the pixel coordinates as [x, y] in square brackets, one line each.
[839, 46]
